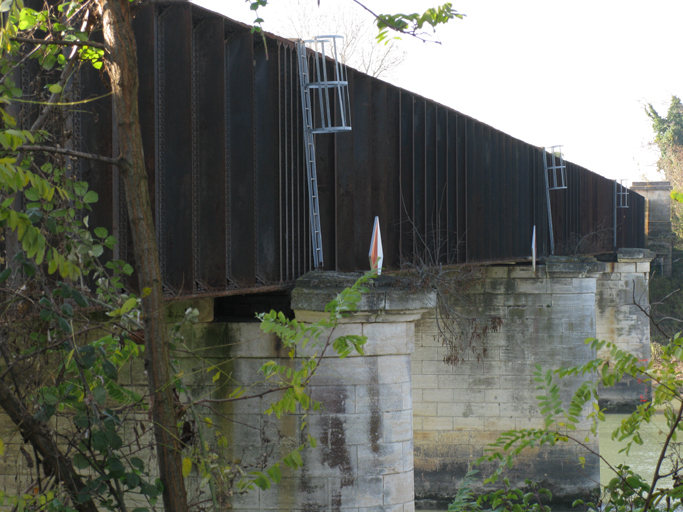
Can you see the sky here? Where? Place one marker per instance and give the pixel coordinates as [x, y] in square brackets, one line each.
[574, 73]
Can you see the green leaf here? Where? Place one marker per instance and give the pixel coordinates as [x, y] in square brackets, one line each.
[101, 232]
[109, 369]
[132, 480]
[55, 88]
[90, 197]
[67, 309]
[87, 355]
[64, 325]
[128, 305]
[187, 466]
[115, 466]
[297, 458]
[100, 394]
[97, 250]
[275, 474]
[80, 300]
[262, 481]
[81, 462]
[99, 441]
[32, 194]
[4, 275]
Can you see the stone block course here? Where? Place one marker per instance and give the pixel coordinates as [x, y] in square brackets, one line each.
[437, 395]
[398, 488]
[505, 286]
[459, 382]
[497, 272]
[388, 459]
[424, 409]
[534, 286]
[387, 339]
[437, 423]
[643, 267]
[625, 267]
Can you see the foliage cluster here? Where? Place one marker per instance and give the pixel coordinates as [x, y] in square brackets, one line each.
[666, 301]
[411, 24]
[669, 140]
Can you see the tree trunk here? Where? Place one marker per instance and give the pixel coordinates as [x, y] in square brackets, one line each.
[121, 65]
[36, 433]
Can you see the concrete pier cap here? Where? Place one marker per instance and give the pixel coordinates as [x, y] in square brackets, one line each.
[364, 461]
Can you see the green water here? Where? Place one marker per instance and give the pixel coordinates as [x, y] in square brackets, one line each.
[642, 458]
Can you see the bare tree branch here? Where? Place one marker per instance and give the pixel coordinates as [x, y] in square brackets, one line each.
[42, 118]
[77, 154]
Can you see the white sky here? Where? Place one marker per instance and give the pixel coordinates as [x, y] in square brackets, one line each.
[576, 73]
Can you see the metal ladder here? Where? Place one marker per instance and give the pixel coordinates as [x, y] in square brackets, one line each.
[309, 143]
[555, 179]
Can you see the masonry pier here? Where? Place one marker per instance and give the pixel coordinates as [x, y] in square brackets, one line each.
[364, 458]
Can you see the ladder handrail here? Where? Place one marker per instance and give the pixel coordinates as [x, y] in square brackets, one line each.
[309, 145]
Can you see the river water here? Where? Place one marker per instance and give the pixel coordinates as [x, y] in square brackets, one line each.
[642, 458]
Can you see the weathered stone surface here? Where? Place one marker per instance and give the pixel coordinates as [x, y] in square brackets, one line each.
[462, 408]
[634, 255]
[620, 321]
[364, 459]
[658, 234]
[315, 289]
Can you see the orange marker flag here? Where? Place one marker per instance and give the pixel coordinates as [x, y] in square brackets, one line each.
[376, 252]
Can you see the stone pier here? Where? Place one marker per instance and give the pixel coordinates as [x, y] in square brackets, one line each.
[658, 234]
[621, 302]
[528, 317]
[468, 392]
[364, 458]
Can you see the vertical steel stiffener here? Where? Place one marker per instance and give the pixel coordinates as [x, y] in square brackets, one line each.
[329, 92]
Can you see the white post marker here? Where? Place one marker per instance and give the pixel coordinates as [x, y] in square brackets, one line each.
[533, 249]
[376, 252]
